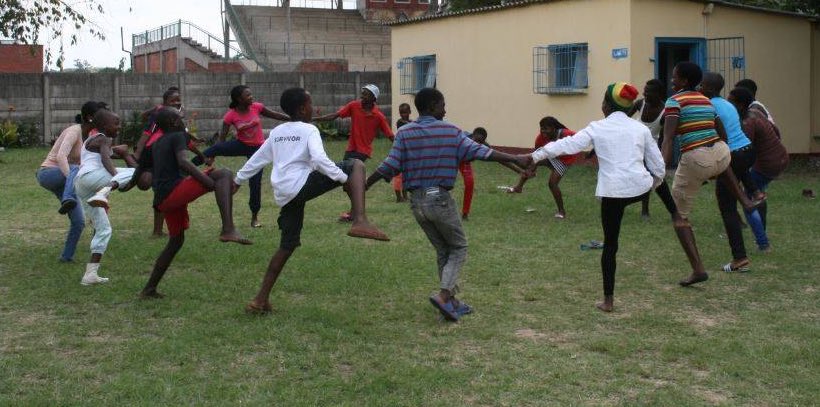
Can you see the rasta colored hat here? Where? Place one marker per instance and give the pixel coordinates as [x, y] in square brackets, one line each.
[372, 89]
[621, 94]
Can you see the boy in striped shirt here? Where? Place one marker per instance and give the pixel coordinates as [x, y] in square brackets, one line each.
[427, 153]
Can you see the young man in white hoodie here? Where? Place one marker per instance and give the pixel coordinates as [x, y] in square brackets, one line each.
[302, 171]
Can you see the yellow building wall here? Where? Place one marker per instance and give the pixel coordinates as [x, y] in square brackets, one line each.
[778, 54]
[484, 63]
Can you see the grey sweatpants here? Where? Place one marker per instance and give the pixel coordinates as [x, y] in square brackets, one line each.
[437, 214]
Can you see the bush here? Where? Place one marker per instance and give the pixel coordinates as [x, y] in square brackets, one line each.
[131, 130]
[29, 133]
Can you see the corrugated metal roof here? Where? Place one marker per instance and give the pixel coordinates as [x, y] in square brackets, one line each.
[524, 3]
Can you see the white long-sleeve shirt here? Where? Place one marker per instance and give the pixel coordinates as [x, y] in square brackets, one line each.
[295, 149]
[628, 156]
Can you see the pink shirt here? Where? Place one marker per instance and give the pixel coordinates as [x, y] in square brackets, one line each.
[248, 125]
[66, 149]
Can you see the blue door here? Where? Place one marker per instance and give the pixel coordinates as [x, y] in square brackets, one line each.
[669, 51]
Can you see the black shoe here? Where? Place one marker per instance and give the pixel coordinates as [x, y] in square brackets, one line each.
[67, 206]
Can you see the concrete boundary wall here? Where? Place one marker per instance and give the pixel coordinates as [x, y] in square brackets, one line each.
[53, 99]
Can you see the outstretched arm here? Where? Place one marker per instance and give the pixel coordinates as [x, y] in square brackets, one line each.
[329, 116]
[520, 160]
[373, 178]
[272, 114]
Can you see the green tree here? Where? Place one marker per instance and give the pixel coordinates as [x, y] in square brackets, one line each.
[82, 65]
[23, 20]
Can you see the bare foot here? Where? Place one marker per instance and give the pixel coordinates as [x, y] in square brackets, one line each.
[150, 295]
[607, 304]
[258, 309]
[367, 231]
[234, 237]
[694, 278]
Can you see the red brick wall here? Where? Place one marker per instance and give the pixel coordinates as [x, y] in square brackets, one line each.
[191, 66]
[170, 61]
[234, 67]
[139, 64]
[18, 58]
[153, 62]
[322, 65]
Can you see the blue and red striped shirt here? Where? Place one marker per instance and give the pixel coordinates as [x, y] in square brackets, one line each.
[427, 153]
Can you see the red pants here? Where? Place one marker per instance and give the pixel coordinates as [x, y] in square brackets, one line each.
[466, 171]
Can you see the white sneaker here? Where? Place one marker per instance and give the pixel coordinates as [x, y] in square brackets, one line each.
[94, 279]
[100, 199]
[90, 277]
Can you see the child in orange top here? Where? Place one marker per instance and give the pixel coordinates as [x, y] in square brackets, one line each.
[550, 130]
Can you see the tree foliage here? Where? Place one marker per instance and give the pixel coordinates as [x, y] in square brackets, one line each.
[800, 6]
[25, 21]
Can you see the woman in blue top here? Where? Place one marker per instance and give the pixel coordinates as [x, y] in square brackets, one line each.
[743, 156]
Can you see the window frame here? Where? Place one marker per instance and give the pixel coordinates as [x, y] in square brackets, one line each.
[560, 69]
[417, 72]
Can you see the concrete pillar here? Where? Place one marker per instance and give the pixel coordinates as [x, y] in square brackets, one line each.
[116, 99]
[46, 107]
[358, 82]
[242, 80]
[181, 85]
[302, 80]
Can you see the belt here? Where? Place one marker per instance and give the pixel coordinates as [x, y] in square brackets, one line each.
[428, 190]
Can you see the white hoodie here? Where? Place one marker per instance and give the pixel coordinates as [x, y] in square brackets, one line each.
[296, 150]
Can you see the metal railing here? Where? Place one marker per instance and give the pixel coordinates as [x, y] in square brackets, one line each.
[330, 4]
[189, 30]
[242, 37]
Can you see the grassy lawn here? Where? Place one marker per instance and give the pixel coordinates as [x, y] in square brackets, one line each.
[352, 325]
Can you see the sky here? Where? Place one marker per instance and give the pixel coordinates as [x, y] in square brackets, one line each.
[136, 16]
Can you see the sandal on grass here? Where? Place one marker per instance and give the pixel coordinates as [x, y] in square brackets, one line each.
[741, 267]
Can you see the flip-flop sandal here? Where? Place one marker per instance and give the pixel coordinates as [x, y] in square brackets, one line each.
[558, 216]
[240, 240]
[363, 233]
[447, 310]
[345, 217]
[739, 268]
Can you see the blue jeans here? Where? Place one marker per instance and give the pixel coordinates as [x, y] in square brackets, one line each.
[52, 179]
[233, 148]
[757, 217]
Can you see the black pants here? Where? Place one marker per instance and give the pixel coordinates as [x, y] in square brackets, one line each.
[666, 197]
[234, 148]
[612, 212]
[742, 160]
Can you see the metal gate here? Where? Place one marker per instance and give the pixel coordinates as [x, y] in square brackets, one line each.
[727, 57]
